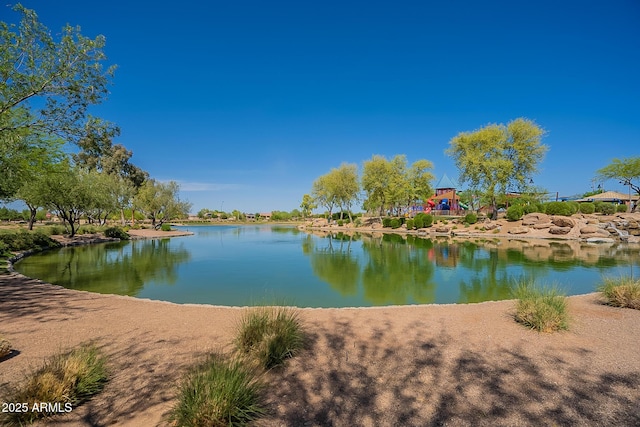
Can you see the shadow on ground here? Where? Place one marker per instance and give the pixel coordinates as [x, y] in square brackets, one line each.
[362, 383]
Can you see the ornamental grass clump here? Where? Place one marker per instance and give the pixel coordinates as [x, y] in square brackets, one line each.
[270, 335]
[219, 392]
[5, 347]
[544, 310]
[621, 292]
[64, 382]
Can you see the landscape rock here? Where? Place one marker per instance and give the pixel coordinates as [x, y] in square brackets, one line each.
[519, 230]
[490, 226]
[559, 230]
[562, 222]
[542, 225]
[589, 229]
[442, 229]
[535, 218]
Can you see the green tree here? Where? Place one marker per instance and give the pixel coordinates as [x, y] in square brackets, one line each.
[323, 194]
[345, 186]
[497, 157]
[63, 77]
[68, 191]
[307, 205]
[160, 202]
[375, 175]
[625, 170]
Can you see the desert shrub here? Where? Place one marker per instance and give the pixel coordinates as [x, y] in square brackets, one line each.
[621, 292]
[395, 223]
[117, 233]
[386, 222]
[607, 208]
[68, 379]
[621, 208]
[26, 240]
[418, 221]
[533, 207]
[428, 220]
[544, 310]
[514, 213]
[575, 206]
[558, 208]
[340, 223]
[5, 347]
[88, 229]
[587, 208]
[218, 392]
[410, 224]
[471, 218]
[165, 227]
[269, 335]
[357, 222]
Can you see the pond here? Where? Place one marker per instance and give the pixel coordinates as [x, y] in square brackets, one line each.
[248, 265]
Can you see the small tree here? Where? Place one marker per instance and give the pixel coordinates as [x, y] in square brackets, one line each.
[160, 202]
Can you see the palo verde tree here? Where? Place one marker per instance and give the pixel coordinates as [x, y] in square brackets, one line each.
[393, 185]
[339, 187]
[496, 157]
[625, 170]
[46, 88]
[160, 202]
[307, 205]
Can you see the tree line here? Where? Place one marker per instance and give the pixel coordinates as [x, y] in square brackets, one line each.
[46, 89]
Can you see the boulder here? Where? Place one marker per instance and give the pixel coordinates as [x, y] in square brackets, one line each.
[442, 229]
[490, 226]
[535, 218]
[559, 230]
[562, 222]
[320, 222]
[519, 230]
[542, 226]
[589, 229]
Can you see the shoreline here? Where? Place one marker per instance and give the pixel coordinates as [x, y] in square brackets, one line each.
[412, 365]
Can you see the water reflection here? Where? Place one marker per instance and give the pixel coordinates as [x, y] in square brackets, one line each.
[113, 268]
[232, 264]
[400, 269]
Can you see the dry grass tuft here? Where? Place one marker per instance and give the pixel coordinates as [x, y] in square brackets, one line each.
[621, 292]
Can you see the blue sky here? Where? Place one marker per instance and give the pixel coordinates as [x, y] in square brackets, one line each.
[246, 103]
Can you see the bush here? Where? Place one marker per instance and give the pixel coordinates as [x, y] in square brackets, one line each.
[270, 335]
[428, 220]
[558, 208]
[117, 233]
[622, 208]
[471, 218]
[544, 310]
[165, 227]
[218, 393]
[575, 206]
[340, 223]
[87, 229]
[410, 224]
[514, 213]
[386, 222]
[607, 208]
[27, 240]
[621, 292]
[418, 221]
[395, 223]
[587, 208]
[533, 207]
[68, 379]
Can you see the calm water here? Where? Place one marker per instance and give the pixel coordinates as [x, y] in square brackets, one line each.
[246, 265]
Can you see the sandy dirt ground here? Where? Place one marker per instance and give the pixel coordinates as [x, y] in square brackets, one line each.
[429, 365]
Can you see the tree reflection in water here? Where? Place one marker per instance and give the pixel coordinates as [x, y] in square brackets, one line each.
[113, 268]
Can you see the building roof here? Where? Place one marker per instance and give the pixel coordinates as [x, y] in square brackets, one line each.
[608, 196]
[446, 183]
